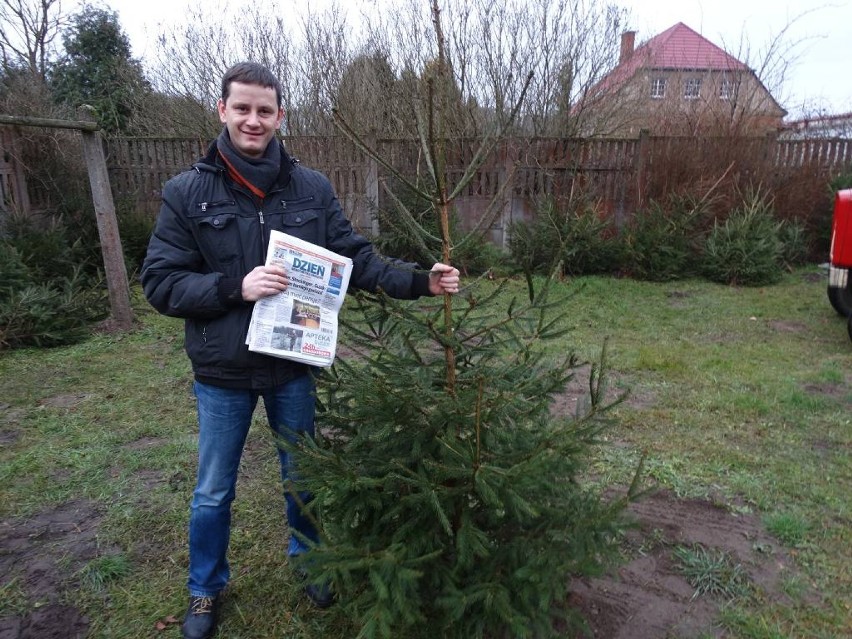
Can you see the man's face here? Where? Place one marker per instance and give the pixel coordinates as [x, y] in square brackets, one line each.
[252, 116]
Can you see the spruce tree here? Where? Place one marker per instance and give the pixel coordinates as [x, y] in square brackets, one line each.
[450, 498]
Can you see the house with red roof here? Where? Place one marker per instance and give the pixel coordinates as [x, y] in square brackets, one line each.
[678, 83]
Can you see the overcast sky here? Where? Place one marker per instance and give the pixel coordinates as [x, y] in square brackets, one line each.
[821, 32]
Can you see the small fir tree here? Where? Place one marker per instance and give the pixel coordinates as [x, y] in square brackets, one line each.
[448, 495]
[455, 511]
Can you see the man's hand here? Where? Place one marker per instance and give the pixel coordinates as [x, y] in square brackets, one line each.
[443, 278]
[264, 281]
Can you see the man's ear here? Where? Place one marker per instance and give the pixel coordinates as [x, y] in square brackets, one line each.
[280, 118]
[220, 107]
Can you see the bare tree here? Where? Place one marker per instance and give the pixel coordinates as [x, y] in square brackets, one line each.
[489, 49]
[28, 29]
[308, 53]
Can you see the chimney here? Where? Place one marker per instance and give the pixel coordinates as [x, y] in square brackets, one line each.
[628, 39]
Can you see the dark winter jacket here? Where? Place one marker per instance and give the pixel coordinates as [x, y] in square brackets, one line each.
[211, 232]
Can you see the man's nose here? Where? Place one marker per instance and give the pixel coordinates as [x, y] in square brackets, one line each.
[253, 119]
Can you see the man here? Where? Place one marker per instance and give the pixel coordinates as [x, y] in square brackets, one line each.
[205, 264]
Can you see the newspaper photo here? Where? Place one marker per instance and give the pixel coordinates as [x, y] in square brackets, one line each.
[300, 323]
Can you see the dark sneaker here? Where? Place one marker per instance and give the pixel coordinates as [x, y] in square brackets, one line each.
[201, 617]
[319, 594]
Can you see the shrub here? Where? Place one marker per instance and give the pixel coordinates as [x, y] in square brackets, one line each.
[819, 223]
[49, 290]
[795, 247]
[664, 240]
[574, 234]
[534, 245]
[135, 228]
[747, 249]
[473, 254]
[48, 246]
[590, 244]
[840, 182]
[49, 314]
[523, 248]
[14, 274]
[476, 255]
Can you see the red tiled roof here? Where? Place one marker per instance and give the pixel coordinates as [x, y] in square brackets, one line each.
[678, 47]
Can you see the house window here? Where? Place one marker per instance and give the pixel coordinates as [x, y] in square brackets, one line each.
[726, 89]
[692, 88]
[658, 88]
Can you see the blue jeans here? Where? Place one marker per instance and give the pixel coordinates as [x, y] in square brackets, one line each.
[224, 417]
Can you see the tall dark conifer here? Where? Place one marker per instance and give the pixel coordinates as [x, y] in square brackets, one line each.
[97, 69]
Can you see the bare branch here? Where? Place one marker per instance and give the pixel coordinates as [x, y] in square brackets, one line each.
[28, 30]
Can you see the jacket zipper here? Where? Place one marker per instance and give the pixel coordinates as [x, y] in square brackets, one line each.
[206, 205]
[264, 244]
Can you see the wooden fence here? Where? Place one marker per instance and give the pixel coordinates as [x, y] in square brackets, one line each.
[13, 188]
[140, 166]
[618, 174]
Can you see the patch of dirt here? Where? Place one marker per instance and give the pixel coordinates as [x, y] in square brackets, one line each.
[9, 436]
[9, 418]
[111, 326]
[648, 597]
[837, 391]
[678, 299]
[578, 390]
[69, 400]
[144, 443]
[41, 555]
[783, 326]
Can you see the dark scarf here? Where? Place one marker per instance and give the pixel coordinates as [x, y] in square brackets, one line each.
[258, 175]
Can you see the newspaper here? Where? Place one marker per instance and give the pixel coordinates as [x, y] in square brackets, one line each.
[300, 323]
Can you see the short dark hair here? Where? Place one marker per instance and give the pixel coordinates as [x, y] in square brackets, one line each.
[250, 73]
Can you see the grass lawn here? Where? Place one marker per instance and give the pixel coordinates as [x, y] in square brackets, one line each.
[740, 397]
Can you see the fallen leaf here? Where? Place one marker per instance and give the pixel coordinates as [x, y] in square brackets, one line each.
[162, 624]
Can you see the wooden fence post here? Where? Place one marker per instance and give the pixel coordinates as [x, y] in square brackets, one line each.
[116, 271]
[371, 188]
[641, 166]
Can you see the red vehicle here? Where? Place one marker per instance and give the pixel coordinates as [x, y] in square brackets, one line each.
[840, 257]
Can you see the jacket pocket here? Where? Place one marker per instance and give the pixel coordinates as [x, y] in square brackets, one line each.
[302, 222]
[217, 231]
[218, 343]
